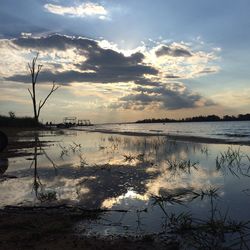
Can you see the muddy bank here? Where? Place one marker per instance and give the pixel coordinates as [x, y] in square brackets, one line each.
[43, 228]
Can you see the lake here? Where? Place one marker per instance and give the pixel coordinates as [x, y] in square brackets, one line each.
[150, 184]
[229, 131]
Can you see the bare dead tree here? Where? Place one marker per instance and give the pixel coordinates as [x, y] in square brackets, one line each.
[35, 69]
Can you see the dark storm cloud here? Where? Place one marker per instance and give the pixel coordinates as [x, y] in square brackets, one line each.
[109, 66]
[58, 42]
[175, 52]
[106, 65]
[146, 82]
[171, 99]
[141, 98]
[67, 77]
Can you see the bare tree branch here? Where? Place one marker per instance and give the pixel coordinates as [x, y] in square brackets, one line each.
[39, 67]
[30, 68]
[34, 72]
[35, 59]
[30, 93]
[41, 103]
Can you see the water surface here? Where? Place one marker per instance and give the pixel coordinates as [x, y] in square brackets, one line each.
[229, 131]
[132, 173]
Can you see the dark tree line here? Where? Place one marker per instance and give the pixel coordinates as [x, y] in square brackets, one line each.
[209, 118]
[19, 122]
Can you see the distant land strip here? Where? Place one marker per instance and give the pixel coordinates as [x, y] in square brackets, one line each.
[209, 118]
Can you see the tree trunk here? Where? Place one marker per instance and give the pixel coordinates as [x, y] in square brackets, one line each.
[34, 102]
[34, 72]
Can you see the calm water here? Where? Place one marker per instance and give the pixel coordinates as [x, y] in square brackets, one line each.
[231, 131]
[134, 173]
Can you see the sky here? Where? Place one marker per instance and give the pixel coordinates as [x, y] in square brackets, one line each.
[121, 61]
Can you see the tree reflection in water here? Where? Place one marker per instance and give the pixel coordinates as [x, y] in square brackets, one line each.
[41, 194]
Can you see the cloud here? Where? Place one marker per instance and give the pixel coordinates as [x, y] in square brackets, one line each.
[95, 61]
[233, 98]
[208, 70]
[83, 10]
[171, 97]
[173, 50]
[182, 60]
[55, 41]
[98, 65]
[147, 82]
[137, 79]
[105, 75]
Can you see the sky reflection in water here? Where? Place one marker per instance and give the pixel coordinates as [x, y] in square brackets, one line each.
[97, 170]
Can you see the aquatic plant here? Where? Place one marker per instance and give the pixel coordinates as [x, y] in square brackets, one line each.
[47, 196]
[210, 233]
[187, 195]
[137, 157]
[75, 147]
[129, 157]
[114, 146]
[102, 147]
[140, 157]
[167, 198]
[139, 219]
[233, 160]
[171, 198]
[178, 166]
[204, 150]
[83, 162]
[71, 148]
[111, 138]
[64, 151]
[178, 222]
[210, 192]
[230, 156]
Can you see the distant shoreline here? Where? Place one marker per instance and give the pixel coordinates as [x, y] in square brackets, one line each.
[159, 122]
[209, 118]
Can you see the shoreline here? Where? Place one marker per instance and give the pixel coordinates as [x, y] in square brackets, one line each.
[185, 138]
